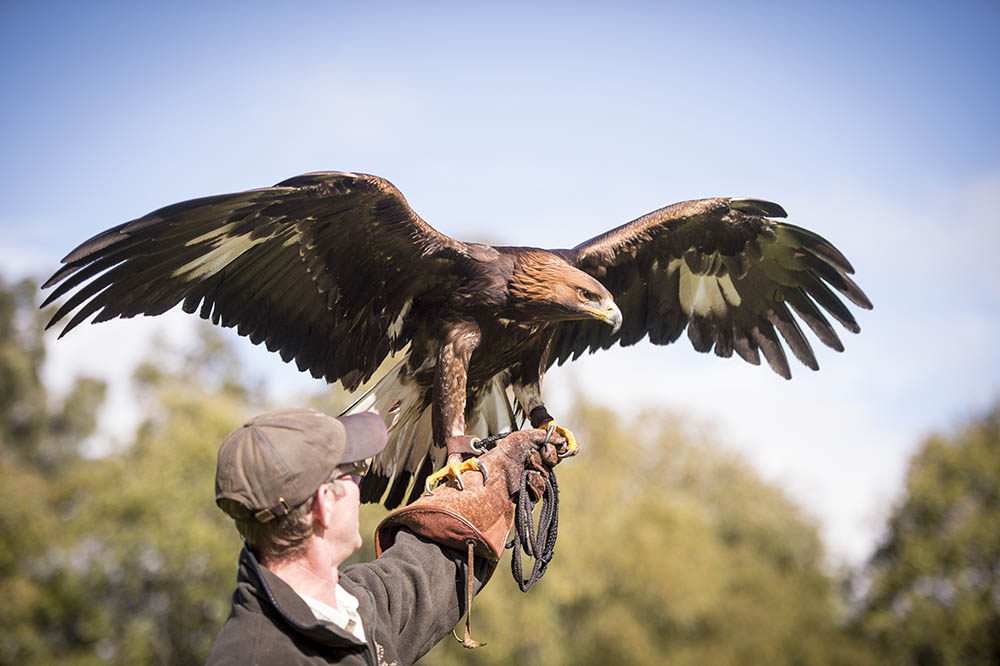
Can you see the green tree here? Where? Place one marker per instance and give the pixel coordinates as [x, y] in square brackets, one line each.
[153, 560]
[132, 563]
[124, 559]
[933, 586]
[39, 439]
[33, 430]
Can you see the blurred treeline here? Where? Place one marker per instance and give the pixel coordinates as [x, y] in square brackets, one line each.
[671, 549]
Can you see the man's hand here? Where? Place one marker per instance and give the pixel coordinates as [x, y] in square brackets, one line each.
[485, 504]
[535, 450]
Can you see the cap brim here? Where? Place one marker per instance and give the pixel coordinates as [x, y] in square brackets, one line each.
[366, 436]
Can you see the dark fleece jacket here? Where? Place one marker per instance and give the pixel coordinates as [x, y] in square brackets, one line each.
[409, 599]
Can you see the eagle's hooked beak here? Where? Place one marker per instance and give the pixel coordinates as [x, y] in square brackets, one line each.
[613, 316]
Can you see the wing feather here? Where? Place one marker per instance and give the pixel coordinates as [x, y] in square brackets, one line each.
[745, 347]
[767, 341]
[725, 272]
[319, 257]
[806, 309]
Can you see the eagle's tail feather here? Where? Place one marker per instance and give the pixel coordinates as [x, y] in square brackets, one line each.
[398, 490]
[495, 411]
[409, 456]
[405, 407]
[421, 480]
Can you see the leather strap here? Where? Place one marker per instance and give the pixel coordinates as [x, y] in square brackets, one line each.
[467, 641]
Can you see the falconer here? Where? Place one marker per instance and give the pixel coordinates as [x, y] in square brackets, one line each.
[289, 479]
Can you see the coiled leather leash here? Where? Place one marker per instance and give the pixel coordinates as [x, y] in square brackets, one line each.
[538, 542]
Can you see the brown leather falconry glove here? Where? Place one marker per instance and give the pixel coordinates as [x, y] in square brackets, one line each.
[477, 519]
[482, 512]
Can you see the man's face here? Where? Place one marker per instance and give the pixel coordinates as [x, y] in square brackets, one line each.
[343, 531]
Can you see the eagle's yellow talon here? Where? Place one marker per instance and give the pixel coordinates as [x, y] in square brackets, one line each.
[453, 470]
[572, 447]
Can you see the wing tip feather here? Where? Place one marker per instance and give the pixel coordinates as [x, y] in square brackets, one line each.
[757, 207]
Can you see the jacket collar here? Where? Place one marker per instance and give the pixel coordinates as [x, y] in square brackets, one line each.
[272, 591]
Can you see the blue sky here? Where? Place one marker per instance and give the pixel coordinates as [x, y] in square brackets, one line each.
[874, 126]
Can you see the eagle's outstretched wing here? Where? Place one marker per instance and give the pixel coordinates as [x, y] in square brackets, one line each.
[724, 271]
[331, 269]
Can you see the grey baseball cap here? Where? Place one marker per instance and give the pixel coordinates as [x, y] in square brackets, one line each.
[276, 461]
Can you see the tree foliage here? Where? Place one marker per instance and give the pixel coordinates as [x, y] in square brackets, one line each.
[131, 562]
[120, 560]
[933, 592]
[33, 430]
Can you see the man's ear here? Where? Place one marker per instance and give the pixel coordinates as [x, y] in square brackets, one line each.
[323, 506]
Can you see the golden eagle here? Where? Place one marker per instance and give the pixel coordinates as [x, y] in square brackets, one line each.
[336, 271]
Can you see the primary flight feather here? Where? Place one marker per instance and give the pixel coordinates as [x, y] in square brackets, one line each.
[336, 271]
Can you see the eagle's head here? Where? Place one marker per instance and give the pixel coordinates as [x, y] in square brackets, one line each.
[546, 288]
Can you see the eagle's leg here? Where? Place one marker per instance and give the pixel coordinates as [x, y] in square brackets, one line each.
[448, 408]
[540, 418]
[458, 462]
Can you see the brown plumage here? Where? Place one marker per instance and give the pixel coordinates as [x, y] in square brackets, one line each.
[335, 271]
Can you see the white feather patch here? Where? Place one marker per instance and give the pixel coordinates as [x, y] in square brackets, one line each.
[396, 327]
[227, 248]
[729, 290]
[528, 397]
[493, 414]
[705, 295]
[397, 398]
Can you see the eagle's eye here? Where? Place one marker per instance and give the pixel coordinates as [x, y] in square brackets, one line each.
[587, 295]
